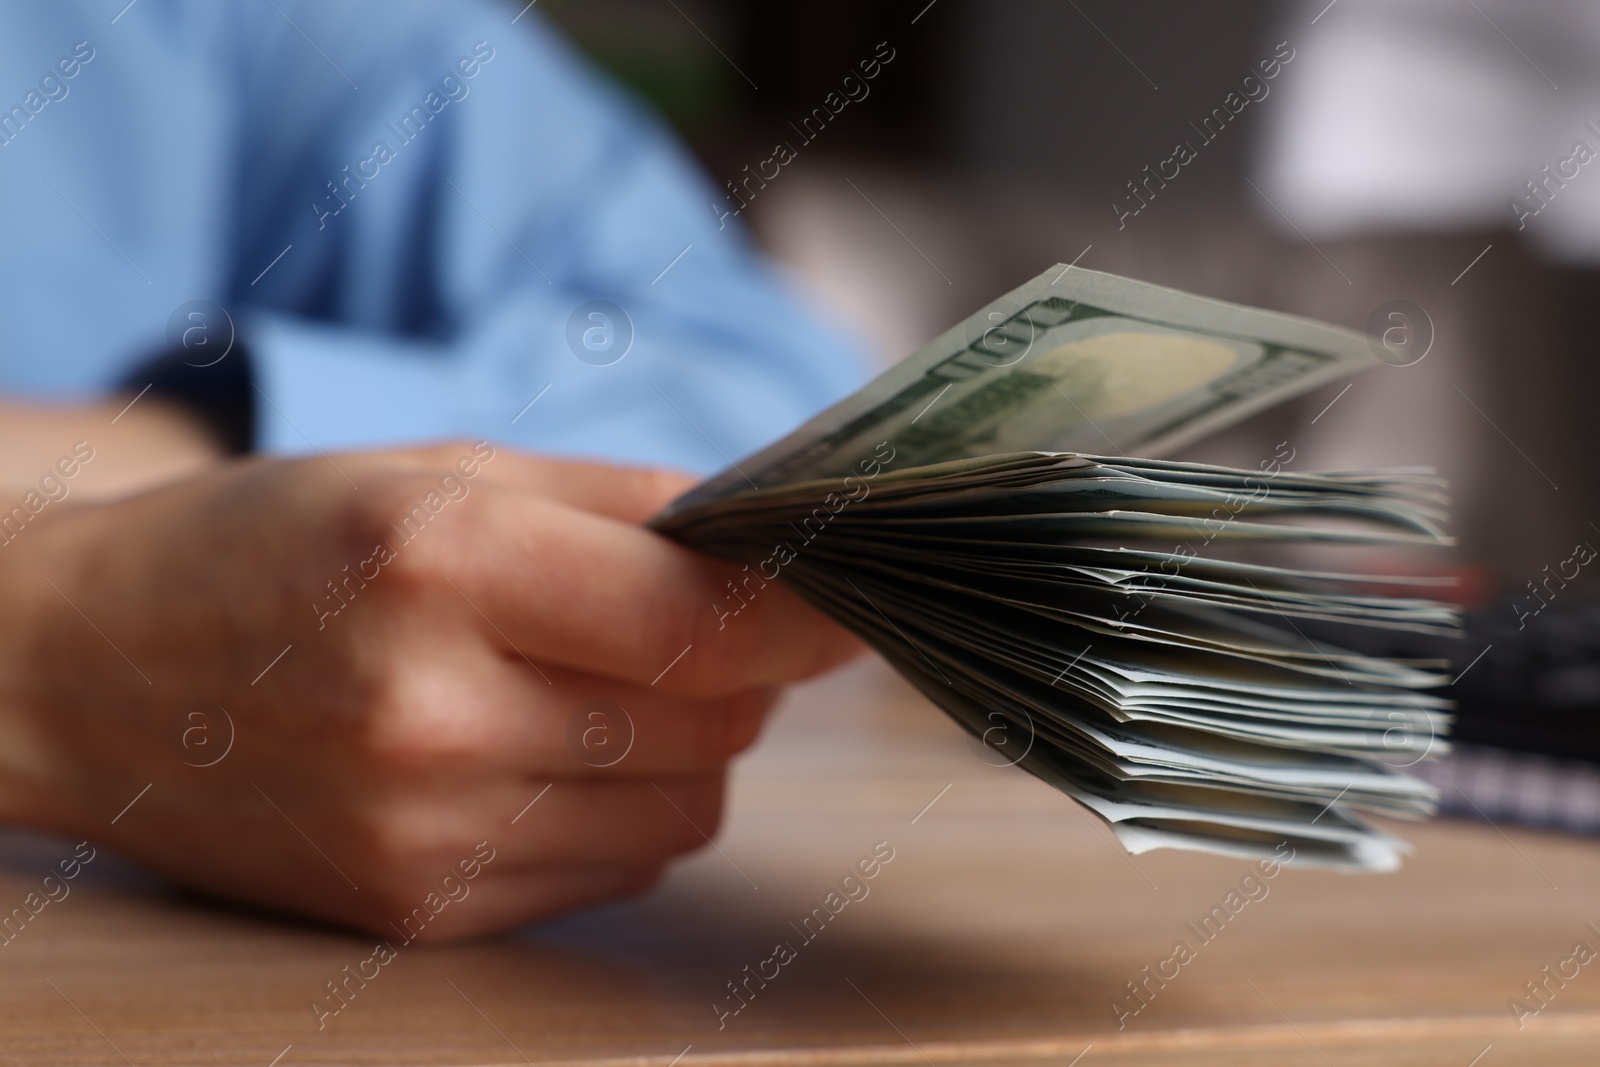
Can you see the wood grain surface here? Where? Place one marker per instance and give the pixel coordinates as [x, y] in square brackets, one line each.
[1003, 931]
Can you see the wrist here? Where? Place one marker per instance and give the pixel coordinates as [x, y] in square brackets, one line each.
[213, 390]
[96, 451]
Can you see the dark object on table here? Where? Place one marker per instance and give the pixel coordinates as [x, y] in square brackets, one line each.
[1531, 688]
[1526, 744]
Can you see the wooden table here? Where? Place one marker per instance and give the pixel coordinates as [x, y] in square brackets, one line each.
[1001, 932]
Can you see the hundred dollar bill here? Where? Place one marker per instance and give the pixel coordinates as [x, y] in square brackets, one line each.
[1099, 620]
[1073, 361]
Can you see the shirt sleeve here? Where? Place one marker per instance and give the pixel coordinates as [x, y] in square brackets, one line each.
[476, 235]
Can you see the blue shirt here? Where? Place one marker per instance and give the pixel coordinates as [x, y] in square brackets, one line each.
[419, 214]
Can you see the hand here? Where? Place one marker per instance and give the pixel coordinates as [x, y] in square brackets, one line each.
[399, 669]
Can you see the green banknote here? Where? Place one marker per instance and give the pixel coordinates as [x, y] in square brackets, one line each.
[1097, 619]
[1073, 361]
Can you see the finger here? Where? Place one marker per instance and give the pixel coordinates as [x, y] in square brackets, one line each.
[561, 585]
[609, 729]
[628, 494]
[587, 822]
[462, 706]
[423, 830]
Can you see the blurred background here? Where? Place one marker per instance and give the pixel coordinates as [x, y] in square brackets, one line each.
[1414, 168]
[1376, 167]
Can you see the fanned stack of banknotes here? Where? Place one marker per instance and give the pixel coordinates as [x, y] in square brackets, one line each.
[1101, 620]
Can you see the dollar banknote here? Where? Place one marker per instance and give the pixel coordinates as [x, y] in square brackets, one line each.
[1099, 619]
[1074, 360]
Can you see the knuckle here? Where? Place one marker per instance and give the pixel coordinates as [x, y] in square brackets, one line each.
[700, 801]
[368, 514]
[658, 487]
[728, 727]
[418, 720]
[394, 522]
[395, 843]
